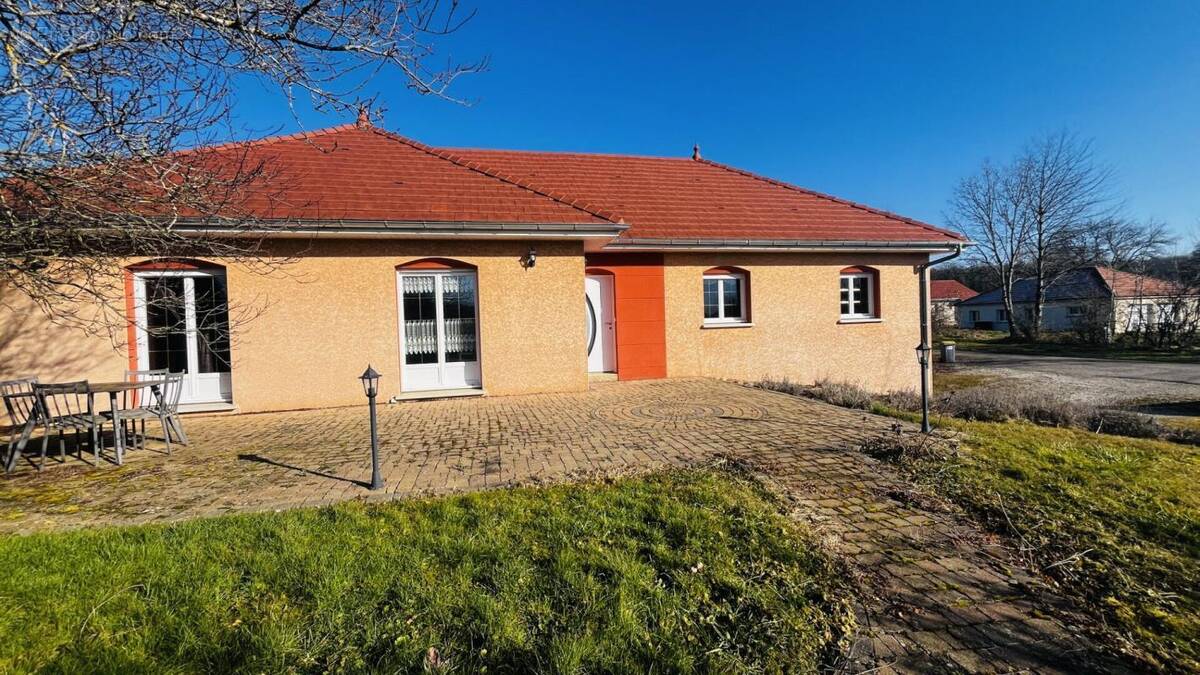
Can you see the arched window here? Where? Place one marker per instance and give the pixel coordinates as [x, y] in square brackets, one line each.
[726, 296]
[859, 288]
[435, 264]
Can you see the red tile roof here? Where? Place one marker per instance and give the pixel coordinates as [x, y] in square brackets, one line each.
[949, 289]
[683, 198]
[359, 172]
[1130, 285]
[363, 173]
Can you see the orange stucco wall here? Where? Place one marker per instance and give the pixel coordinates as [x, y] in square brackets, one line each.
[322, 317]
[795, 315]
[312, 326]
[638, 292]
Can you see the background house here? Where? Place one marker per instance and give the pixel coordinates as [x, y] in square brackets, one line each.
[945, 294]
[1112, 301]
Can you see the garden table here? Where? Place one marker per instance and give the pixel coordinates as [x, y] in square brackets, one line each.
[112, 389]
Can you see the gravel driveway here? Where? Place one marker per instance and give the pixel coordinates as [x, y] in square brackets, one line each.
[1096, 381]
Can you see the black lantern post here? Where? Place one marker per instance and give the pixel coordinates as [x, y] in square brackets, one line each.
[923, 359]
[370, 382]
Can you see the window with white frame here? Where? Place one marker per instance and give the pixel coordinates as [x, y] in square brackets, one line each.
[725, 298]
[973, 316]
[858, 295]
[1002, 315]
[1142, 315]
[1074, 310]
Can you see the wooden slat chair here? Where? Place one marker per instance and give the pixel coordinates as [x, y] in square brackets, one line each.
[164, 408]
[20, 404]
[137, 402]
[67, 406]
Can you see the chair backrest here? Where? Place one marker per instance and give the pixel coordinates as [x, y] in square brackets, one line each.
[172, 389]
[19, 400]
[64, 399]
[143, 396]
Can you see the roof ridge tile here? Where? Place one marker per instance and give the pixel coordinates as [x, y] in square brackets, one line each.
[270, 140]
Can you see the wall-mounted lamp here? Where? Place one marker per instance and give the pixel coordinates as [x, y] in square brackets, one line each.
[529, 259]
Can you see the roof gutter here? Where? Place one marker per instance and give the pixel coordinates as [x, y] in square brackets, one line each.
[782, 245]
[389, 229]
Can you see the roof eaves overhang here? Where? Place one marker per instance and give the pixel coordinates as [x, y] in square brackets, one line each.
[782, 245]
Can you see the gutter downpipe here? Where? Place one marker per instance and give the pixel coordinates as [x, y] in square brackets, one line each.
[927, 361]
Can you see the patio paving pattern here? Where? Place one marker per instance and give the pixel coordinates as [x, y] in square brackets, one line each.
[937, 594]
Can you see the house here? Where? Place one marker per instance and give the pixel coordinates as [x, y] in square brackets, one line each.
[944, 296]
[470, 272]
[1115, 301]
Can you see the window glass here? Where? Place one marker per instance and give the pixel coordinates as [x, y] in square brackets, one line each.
[212, 323]
[862, 302]
[458, 313]
[420, 319]
[166, 324]
[732, 298]
[712, 305]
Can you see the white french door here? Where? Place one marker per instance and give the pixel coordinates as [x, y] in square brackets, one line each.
[439, 332]
[182, 319]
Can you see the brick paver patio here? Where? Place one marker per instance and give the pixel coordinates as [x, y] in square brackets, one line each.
[936, 593]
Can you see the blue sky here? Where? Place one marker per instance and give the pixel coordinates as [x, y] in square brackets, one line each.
[885, 103]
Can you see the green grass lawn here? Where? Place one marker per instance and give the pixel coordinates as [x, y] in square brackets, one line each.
[1129, 510]
[674, 572]
[1060, 345]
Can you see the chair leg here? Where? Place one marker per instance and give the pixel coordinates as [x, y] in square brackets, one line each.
[178, 427]
[45, 444]
[98, 441]
[62, 446]
[166, 422]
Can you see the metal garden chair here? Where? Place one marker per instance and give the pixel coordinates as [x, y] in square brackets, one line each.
[68, 406]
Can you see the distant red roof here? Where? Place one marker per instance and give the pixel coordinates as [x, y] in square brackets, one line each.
[359, 172]
[950, 289]
[1130, 285]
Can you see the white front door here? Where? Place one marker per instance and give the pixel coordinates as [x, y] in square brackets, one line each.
[601, 330]
[182, 319]
[439, 336]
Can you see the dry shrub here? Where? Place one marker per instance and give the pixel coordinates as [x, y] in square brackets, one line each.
[844, 394]
[987, 404]
[1125, 423]
[899, 445]
[783, 385]
[981, 404]
[902, 399]
[1048, 411]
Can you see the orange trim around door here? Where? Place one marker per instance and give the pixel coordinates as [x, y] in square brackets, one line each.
[639, 292]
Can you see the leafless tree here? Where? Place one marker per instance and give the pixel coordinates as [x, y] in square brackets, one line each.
[1125, 244]
[1058, 191]
[97, 98]
[982, 208]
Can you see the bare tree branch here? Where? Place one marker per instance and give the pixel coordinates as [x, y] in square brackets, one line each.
[98, 97]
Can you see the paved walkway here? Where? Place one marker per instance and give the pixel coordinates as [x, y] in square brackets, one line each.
[936, 593]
